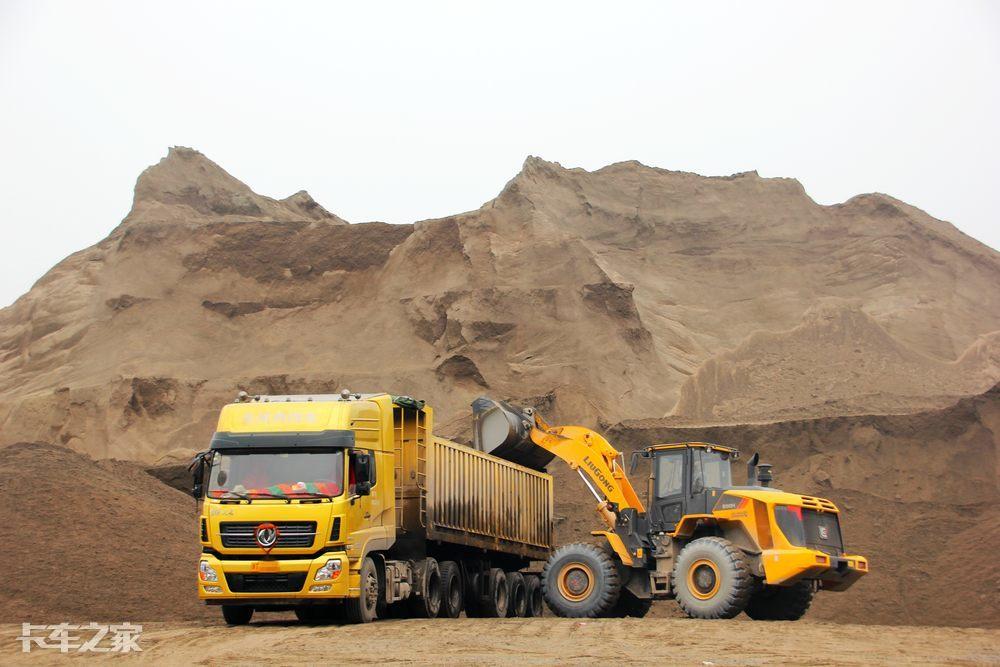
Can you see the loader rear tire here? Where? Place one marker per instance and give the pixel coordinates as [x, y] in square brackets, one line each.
[781, 603]
[535, 606]
[517, 600]
[452, 595]
[711, 579]
[581, 581]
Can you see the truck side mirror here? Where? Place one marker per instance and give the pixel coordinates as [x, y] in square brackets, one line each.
[363, 468]
[197, 469]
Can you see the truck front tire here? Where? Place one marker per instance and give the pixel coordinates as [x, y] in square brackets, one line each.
[362, 608]
[711, 579]
[581, 581]
[781, 603]
[236, 614]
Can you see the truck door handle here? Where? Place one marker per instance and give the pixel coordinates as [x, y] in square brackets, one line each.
[368, 515]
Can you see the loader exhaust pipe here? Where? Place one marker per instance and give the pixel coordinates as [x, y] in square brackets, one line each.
[504, 430]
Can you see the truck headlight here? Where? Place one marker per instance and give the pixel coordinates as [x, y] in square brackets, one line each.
[213, 589]
[329, 571]
[206, 572]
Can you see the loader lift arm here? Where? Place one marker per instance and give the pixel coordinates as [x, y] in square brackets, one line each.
[601, 467]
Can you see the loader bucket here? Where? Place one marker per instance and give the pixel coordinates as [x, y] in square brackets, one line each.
[504, 430]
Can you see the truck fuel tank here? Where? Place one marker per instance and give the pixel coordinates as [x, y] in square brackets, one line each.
[504, 430]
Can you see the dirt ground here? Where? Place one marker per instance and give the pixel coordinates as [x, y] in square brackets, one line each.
[545, 641]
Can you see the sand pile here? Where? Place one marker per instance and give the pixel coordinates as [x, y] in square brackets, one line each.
[606, 290]
[93, 540]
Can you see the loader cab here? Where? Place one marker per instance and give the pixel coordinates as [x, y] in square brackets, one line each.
[686, 478]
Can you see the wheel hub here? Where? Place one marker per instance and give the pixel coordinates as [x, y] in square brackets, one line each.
[703, 579]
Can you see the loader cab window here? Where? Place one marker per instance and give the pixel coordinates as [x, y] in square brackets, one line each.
[670, 474]
[710, 470]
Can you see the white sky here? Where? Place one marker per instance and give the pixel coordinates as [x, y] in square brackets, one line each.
[400, 112]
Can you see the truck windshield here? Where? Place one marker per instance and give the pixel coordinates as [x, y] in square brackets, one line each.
[711, 469]
[294, 474]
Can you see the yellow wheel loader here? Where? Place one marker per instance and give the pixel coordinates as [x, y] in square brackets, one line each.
[718, 549]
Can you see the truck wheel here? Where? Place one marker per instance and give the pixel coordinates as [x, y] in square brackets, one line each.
[781, 603]
[362, 608]
[473, 602]
[428, 603]
[534, 608]
[580, 580]
[517, 601]
[711, 579]
[495, 604]
[452, 595]
[236, 614]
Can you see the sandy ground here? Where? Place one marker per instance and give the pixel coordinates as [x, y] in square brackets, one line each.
[545, 641]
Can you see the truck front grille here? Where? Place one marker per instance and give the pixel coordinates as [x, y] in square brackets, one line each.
[286, 582]
[291, 534]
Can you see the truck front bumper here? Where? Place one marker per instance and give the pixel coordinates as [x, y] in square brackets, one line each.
[835, 573]
[274, 582]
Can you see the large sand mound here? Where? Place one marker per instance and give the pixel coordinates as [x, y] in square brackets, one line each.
[604, 289]
[93, 540]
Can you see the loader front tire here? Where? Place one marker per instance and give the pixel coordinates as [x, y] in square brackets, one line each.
[781, 603]
[711, 579]
[581, 581]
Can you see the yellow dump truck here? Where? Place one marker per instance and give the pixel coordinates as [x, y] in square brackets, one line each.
[348, 506]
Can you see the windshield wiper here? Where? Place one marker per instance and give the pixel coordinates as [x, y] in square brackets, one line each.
[268, 494]
[235, 494]
[310, 494]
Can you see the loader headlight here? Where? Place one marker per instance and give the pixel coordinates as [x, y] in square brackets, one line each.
[206, 572]
[329, 571]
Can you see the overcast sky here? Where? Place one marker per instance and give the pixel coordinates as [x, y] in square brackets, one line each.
[401, 112]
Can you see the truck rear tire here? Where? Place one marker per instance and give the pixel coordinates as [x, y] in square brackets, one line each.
[428, 603]
[580, 581]
[535, 606]
[235, 614]
[517, 600]
[711, 579]
[452, 594]
[495, 603]
[362, 609]
[781, 603]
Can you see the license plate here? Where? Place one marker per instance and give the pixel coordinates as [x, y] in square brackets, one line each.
[264, 566]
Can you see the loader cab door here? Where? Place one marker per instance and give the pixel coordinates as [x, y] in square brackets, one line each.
[686, 480]
[670, 482]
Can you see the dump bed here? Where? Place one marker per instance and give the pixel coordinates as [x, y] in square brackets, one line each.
[455, 494]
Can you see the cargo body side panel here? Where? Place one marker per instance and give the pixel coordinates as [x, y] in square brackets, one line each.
[481, 501]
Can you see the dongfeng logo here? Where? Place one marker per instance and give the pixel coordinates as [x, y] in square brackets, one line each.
[266, 535]
[824, 533]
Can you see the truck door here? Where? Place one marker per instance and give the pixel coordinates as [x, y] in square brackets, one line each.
[361, 517]
[669, 494]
